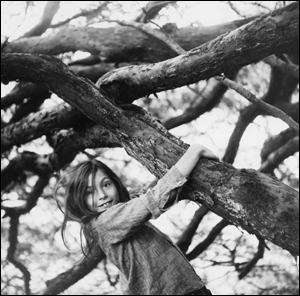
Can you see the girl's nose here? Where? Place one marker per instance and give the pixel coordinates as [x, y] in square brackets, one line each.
[101, 194]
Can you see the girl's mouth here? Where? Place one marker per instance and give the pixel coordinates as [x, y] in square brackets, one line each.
[105, 205]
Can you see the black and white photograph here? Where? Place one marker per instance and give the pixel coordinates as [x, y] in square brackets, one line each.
[149, 147]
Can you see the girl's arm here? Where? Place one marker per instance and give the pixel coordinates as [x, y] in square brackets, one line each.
[124, 219]
[188, 161]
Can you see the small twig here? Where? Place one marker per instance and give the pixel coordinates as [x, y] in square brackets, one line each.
[269, 109]
[187, 235]
[11, 252]
[153, 33]
[151, 10]
[232, 6]
[258, 255]
[84, 13]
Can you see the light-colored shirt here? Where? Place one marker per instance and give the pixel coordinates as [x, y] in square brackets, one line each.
[148, 261]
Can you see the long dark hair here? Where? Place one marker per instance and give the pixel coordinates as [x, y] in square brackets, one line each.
[75, 183]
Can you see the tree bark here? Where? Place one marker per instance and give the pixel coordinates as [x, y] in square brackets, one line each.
[118, 44]
[38, 124]
[255, 201]
[272, 33]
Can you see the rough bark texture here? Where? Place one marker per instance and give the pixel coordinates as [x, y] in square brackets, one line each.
[253, 200]
[264, 36]
[38, 124]
[119, 44]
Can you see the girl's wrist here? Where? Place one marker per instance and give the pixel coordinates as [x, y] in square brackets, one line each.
[197, 149]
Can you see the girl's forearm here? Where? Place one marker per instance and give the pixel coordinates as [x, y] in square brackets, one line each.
[190, 158]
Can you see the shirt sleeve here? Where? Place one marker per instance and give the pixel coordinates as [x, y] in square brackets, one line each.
[156, 198]
[121, 220]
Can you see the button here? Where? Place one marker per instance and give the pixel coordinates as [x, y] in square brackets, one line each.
[179, 182]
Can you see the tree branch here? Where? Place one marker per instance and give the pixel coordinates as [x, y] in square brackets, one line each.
[200, 248]
[275, 158]
[31, 200]
[205, 102]
[228, 51]
[280, 89]
[267, 108]
[38, 124]
[85, 13]
[67, 144]
[151, 10]
[162, 36]
[20, 91]
[186, 237]
[233, 194]
[275, 142]
[74, 274]
[291, 69]
[258, 255]
[50, 10]
[128, 45]
[13, 241]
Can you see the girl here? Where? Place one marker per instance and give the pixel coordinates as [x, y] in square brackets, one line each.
[148, 261]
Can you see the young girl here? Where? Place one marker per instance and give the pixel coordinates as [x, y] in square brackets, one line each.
[148, 261]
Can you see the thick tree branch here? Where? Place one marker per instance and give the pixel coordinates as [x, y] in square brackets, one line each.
[209, 99]
[27, 89]
[128, 45]
[38, 124]
[231, 193]
[234, 49]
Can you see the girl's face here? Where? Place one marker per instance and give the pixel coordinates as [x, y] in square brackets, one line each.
[105, 194]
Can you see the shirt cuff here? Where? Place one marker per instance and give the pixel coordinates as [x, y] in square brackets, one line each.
[175, 176]
[156, 198]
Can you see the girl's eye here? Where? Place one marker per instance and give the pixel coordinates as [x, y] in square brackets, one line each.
[107, 184]
[88, 191]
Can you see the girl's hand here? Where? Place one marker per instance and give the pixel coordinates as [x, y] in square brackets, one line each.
[204, 151]
[190, 158]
